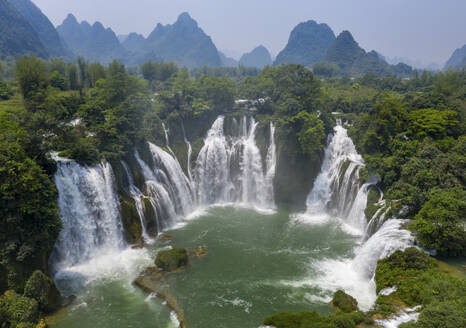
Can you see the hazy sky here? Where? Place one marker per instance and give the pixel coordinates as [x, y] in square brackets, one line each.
[426, 30]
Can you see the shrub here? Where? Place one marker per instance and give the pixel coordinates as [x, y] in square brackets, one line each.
[344, 302]
[43, 290]
[16, 309]
[440, 222]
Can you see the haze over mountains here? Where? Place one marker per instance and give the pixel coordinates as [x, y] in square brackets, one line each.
[457, 59]
[24, 29]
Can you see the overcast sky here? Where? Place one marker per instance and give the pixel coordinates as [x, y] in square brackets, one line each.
[426, 30]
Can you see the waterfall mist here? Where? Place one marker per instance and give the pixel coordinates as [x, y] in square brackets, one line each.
[339, 197]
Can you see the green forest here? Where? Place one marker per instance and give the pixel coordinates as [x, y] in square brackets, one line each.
[411, 133]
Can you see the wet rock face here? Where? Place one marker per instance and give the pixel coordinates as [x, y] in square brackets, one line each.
[172, 259]
[344, 302]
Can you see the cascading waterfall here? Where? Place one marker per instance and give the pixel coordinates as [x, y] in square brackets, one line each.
[337, 191]
[212, 173]
[89, 210]
[229, 169]
[271, 163]
[170, 174]
[137, 196]
[159, 197]
[337, 188]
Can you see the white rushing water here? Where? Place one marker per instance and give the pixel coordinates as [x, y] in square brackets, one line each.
[229, 169]
[336, 190]
[89, 210]
[338, 193]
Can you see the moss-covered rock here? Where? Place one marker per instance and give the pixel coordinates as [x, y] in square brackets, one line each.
[295, 172]
[344, 302]
[151, 217]
[16, 309]
[372, 202]
[172, 259]
[131, 221]
[43, 290]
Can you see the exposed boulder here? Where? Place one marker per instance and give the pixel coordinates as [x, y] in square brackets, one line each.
[344, 302]
[172, 259]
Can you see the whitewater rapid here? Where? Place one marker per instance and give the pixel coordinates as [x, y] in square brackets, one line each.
[339, 198]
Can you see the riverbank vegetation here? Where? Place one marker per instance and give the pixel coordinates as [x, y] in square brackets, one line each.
[411, 134]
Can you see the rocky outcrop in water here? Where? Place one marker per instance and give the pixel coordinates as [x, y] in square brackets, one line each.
[344, 302]
[168, 262]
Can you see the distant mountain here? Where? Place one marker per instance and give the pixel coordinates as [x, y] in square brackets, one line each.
[415, 64]
[227, 61]
[183, 42]
[457, 59]
[17, 36]
[92, 42]
[307, 44]
[43, 27]
[133, 42]
[259, 57]
[352, 60]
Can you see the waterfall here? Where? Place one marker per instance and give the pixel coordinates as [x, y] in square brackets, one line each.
[167, 140]
[389, 238]
[337, 190]
[229, 168]
[160, 200]
[137, 195]
[212, 172]
[89, 210]
[171, 175]
[271, 161]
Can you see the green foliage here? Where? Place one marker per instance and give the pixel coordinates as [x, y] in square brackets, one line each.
[200, 98]
[43, 290]
[237, 73]
[401, 263]
[6, 91]
[419, 282]
[32, 77]
[172, 259]
[311, 135]
[314, 320]
[432, 123]
[95, 72]
[325, 69]
[286, 90]
[57, 80]
[442, 315]
[158, 72]
[440, 222]
[344, 302]
[17, 309]
[29, 222]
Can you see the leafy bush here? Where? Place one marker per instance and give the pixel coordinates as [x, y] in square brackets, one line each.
[440, 224]
[16, 309]
[43, 290]
[344, 302]
[313, 320]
